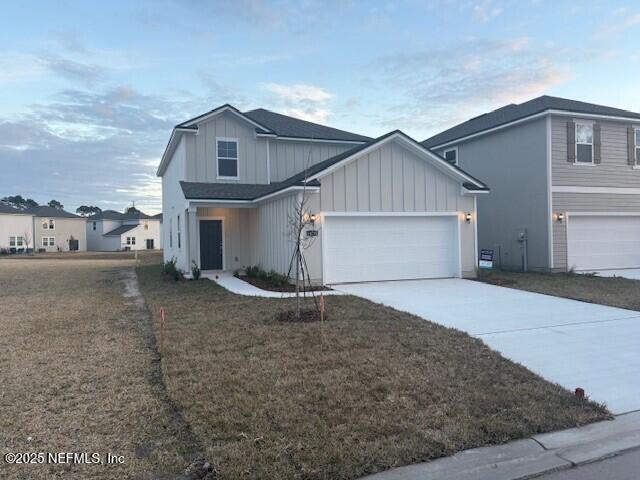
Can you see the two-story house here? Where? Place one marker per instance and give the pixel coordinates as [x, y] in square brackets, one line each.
[565, 183]
[380, 209]
[110, 231]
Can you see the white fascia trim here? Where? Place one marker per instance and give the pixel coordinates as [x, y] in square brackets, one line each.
[309, 139]
[391, 214]
[223, 109]
[173, 141]
[532, 117]
[549, 192]
[296, 188]
[474, 192]
[612, 190]
[602, 214]
[418, 148]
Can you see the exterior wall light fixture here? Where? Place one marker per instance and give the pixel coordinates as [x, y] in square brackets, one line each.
[467, 217]
[559, 217]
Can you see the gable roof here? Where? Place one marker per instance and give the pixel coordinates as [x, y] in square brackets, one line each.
[290, 127]
[511, 113]
[324, 167]
[252, 192]
[266, 123]
[50, 212]
[116, 232]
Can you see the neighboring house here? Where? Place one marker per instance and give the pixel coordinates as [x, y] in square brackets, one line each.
[384, 208]
[564, 173]
[16, 230]
[57, 230]
[111, 231]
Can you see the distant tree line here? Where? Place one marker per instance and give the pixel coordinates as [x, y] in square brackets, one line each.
[21, 203]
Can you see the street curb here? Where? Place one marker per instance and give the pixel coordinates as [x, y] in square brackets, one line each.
[531, 457]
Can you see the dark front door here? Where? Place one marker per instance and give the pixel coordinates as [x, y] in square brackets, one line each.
[211, 244]
[149, 243]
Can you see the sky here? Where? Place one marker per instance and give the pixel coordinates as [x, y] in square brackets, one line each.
[90, 90]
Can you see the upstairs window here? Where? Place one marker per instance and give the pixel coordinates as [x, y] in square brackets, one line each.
[94, 225]
[451, 156]
[131, 240]
[227, 156]
[48, 224]
[584, 143]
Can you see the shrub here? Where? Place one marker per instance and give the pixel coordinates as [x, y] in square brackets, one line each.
[170, 269]
[278, 279]
[252, 271]
[195, 270]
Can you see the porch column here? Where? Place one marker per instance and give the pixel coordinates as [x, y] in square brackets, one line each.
[192, 236]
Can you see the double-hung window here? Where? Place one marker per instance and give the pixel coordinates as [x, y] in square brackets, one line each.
[48, 241]
[584, 143]
[227, 157]
[94, 225]
[451, 156]
[131, 240]
[16, 243]
[48, 224]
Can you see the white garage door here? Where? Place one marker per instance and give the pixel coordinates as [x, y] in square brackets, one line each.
[602, 242]
[370, 248]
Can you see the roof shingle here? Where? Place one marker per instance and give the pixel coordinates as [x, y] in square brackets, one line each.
[512, 112]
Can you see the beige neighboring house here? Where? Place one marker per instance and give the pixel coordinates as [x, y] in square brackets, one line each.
[382, 209]
[57, 230]
[16, 230]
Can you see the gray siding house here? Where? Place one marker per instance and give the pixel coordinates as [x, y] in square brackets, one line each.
[564, 175]
[110, 231]
[380, 209]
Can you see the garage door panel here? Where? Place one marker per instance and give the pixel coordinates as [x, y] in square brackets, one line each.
[603, 242]
[371, 248]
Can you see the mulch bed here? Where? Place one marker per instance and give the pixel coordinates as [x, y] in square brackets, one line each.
[267, 285]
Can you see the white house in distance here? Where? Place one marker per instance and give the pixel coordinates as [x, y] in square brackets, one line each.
[111, 231]
[16, 230]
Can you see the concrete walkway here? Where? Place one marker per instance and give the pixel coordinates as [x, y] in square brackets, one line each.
[240, 287]
[530, 457]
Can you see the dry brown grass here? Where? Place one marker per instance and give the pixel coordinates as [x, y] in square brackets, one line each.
[76, 373]
[613, 291]
[371, 389]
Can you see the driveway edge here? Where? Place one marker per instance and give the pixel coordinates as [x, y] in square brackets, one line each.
[531, 457]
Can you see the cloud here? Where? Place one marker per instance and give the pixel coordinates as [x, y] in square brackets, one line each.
[88, 147]
[87, 73]
[438, 87]
[615, 28]
[485, 11]
[299, 92]
[307, 102]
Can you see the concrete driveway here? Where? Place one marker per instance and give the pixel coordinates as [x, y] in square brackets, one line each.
[575, 344]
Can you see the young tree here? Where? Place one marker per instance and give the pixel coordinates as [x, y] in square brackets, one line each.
[26, 238]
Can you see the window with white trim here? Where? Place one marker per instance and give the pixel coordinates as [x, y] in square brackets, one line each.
[48, 224]
[178, 231]
[637, 137]
[584, 143]
[17, 242]
[94, 225]
[171, 233]
[48, 241]
[131, 240]
[451, 156]
[227, 157]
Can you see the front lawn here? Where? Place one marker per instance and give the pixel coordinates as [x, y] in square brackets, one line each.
[370, 389]
[612, 291]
